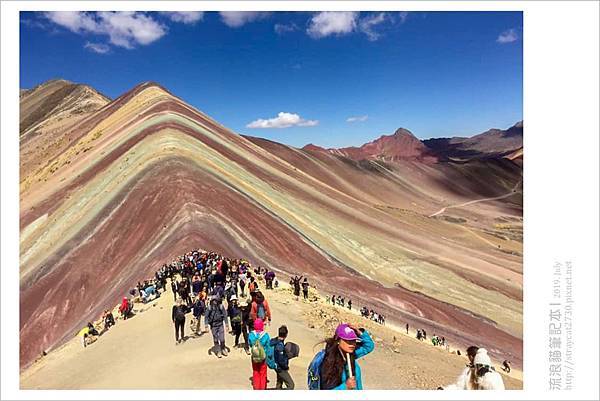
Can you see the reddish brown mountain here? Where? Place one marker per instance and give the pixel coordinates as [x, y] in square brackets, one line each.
[402, 145]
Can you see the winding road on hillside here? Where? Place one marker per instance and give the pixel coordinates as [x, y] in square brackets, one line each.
[506, 195]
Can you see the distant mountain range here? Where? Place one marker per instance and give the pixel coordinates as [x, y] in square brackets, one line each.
[403, 145]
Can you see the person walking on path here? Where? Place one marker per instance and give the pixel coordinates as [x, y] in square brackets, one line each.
[260, 308]
[235, 317]
[259, 341]
[178, 317]
[216, 318]
[198, 310]
[282, 360]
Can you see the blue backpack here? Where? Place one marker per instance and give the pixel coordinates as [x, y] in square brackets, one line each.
[260, 311]
[314, 371]
[270, 351]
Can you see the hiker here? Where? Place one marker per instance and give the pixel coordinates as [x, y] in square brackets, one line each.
[281, 360]
[196, 286]
[147, 293]
[86, 334]
[174, 289]
[295, 282]
[235, 317]
[242, 282]
[259, 341]
[329, 368]
[252, 286]
[108, 319]
[333, 300]
[349, 305]
[184, 291]
[197, 311]
[305, 286]
[125, 308]
[260, 308]
[406, 328]
[269, 277]
[178, 317]
[479, 373]
[247, 322]
[216, 318]
[506, 366]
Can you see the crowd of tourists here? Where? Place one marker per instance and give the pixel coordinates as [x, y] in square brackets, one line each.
[365, 312]
[226, 295]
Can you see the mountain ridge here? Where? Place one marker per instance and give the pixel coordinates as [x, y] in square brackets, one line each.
[145, 177]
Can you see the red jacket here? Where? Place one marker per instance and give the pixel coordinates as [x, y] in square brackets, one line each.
[254, 310]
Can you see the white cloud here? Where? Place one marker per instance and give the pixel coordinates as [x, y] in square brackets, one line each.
[235, 19]
[100, 48]
[280, 29]
[123, 28]
[507, 36]
[367, 24]
[186, 17]
[75, 21]
[332, 23]
[357, 119]
[128, 28]
[283, 120]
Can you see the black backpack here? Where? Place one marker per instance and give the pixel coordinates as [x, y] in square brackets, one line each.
[180, 313]
[215, 315]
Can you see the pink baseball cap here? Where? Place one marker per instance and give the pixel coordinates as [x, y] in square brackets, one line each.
[345, 332]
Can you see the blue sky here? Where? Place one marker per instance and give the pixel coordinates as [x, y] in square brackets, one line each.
[333, 79]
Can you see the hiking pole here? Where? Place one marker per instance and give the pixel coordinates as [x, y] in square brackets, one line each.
[349, 365]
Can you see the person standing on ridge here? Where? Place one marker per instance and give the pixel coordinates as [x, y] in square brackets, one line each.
[305, 286]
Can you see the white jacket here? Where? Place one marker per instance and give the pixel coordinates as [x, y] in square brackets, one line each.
[490, 381]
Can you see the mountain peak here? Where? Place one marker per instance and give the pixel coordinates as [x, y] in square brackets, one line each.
[403, 132]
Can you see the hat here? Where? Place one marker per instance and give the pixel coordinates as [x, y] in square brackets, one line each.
[345, 332]
[233, 298]
[259, 325]
[482, 358]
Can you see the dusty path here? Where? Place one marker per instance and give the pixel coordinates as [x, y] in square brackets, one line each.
[471, 202]
[140, 353]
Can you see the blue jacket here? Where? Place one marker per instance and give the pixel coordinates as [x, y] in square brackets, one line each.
[366, 346]
[280, 356]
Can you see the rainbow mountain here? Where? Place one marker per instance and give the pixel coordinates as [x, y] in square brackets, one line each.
[110, 193]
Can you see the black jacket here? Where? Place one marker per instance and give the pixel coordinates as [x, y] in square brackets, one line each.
[178, 312]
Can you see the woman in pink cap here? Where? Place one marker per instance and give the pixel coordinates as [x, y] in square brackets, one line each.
[259, 341]
[335, 367]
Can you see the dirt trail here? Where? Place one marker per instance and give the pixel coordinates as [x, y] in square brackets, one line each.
[471, 202]
[140, 353]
